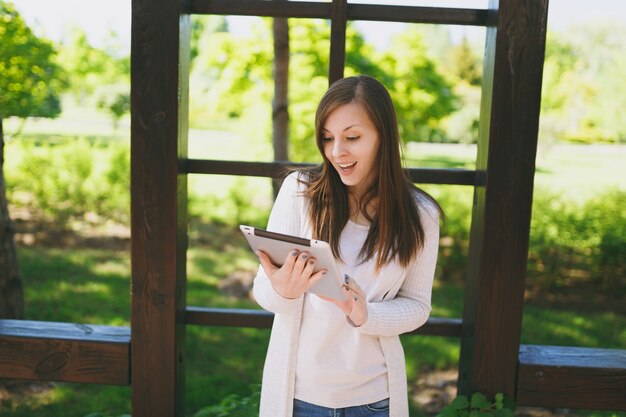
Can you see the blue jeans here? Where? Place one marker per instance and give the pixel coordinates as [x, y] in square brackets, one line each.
[377, 409]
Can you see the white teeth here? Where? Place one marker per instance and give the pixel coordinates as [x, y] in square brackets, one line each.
[344, 166]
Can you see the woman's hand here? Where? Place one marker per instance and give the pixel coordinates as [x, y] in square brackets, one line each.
[355, 304]
[295, 276]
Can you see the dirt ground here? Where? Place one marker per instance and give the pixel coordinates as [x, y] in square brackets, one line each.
[436, 389]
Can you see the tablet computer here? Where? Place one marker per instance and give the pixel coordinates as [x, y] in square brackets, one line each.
[277, 246]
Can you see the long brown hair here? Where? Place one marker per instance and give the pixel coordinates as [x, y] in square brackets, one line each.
[396, 228]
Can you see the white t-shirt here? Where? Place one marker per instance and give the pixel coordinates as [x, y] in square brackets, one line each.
[338, 366]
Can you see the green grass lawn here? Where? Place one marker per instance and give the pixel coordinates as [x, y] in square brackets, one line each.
[77, 284]
[92, 286]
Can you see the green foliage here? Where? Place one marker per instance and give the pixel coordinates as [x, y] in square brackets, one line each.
[478, 406]
[202, 25]
[421, 94]
[105, 415]
[467, 64]
[235, 203]
[308, 79]
[232, 79]
[90, 67]
[584, 96]
[588, 239]
[234, 406]
[59, 186]
[30, 80]
[96, 75]
[66, 180]
[116, 102]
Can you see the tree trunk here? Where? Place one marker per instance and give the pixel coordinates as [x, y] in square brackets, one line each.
[11, 293]
[280, 111]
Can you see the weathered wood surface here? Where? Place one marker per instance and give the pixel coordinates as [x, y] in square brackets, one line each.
[66, 352]
[572, 377]
[159, 91]
[453, 176]
[207, 316]
[338, 22]
[507, 146]
[373, 12]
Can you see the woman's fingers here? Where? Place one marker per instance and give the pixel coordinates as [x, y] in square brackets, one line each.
[295, 276]
[266, 263]
[301, 263]
[290, 260]
[352, 286]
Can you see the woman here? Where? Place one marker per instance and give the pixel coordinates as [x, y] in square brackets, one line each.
[326, 354]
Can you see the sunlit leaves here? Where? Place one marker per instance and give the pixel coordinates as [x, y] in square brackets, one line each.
[30, 79]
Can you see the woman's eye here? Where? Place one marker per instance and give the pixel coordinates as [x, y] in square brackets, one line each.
[326, 139]
[352, 138]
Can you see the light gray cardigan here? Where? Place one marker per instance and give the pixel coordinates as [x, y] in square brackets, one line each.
[405, 308]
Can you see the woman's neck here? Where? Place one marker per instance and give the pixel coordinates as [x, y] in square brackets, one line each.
[357, 215]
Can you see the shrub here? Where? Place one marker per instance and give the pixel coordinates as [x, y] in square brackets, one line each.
[234, 406]
[54, 179]
[478, 406]
[578, 242]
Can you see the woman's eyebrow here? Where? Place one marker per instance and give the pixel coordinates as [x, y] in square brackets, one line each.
[347, 128]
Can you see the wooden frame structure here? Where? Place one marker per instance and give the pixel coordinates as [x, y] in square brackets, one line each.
[492, 359]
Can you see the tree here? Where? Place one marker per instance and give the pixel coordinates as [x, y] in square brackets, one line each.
[422, 95]
[90, 67]
[310, 40]
[467, 65]
[233, 74]
[30, 85]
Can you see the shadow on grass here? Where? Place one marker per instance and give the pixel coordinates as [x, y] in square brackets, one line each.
[79, 286]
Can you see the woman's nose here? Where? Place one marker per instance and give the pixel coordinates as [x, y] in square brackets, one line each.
[338, 149]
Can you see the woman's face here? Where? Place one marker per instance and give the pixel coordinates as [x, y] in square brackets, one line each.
[351, 142]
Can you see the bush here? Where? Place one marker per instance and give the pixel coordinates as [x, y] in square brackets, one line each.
[234, 406]
[456, 202]
[572, 242]
[54, 180]
[478, 406]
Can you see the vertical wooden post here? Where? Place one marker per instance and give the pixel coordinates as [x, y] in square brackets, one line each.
[501, 216]
[159, 70]
[338, 22]
[280, 104]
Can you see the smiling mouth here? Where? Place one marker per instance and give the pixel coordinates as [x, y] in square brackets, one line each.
[346, 166]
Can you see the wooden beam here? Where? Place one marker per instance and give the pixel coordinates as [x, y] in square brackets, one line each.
[64, 352]
[298, 9]
[158, 206]
[338, 21]
[315, 10]
[410, 14]
[261, 319]
[572, 377]
[507, 145]
[278, 169]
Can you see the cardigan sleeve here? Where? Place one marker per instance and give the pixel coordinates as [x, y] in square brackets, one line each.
[411, 307]
[287, 215]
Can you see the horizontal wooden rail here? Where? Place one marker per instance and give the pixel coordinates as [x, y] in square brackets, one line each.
[452, 176]
[372, 12]
[64, 352]
[207, 316]
[572, 377]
